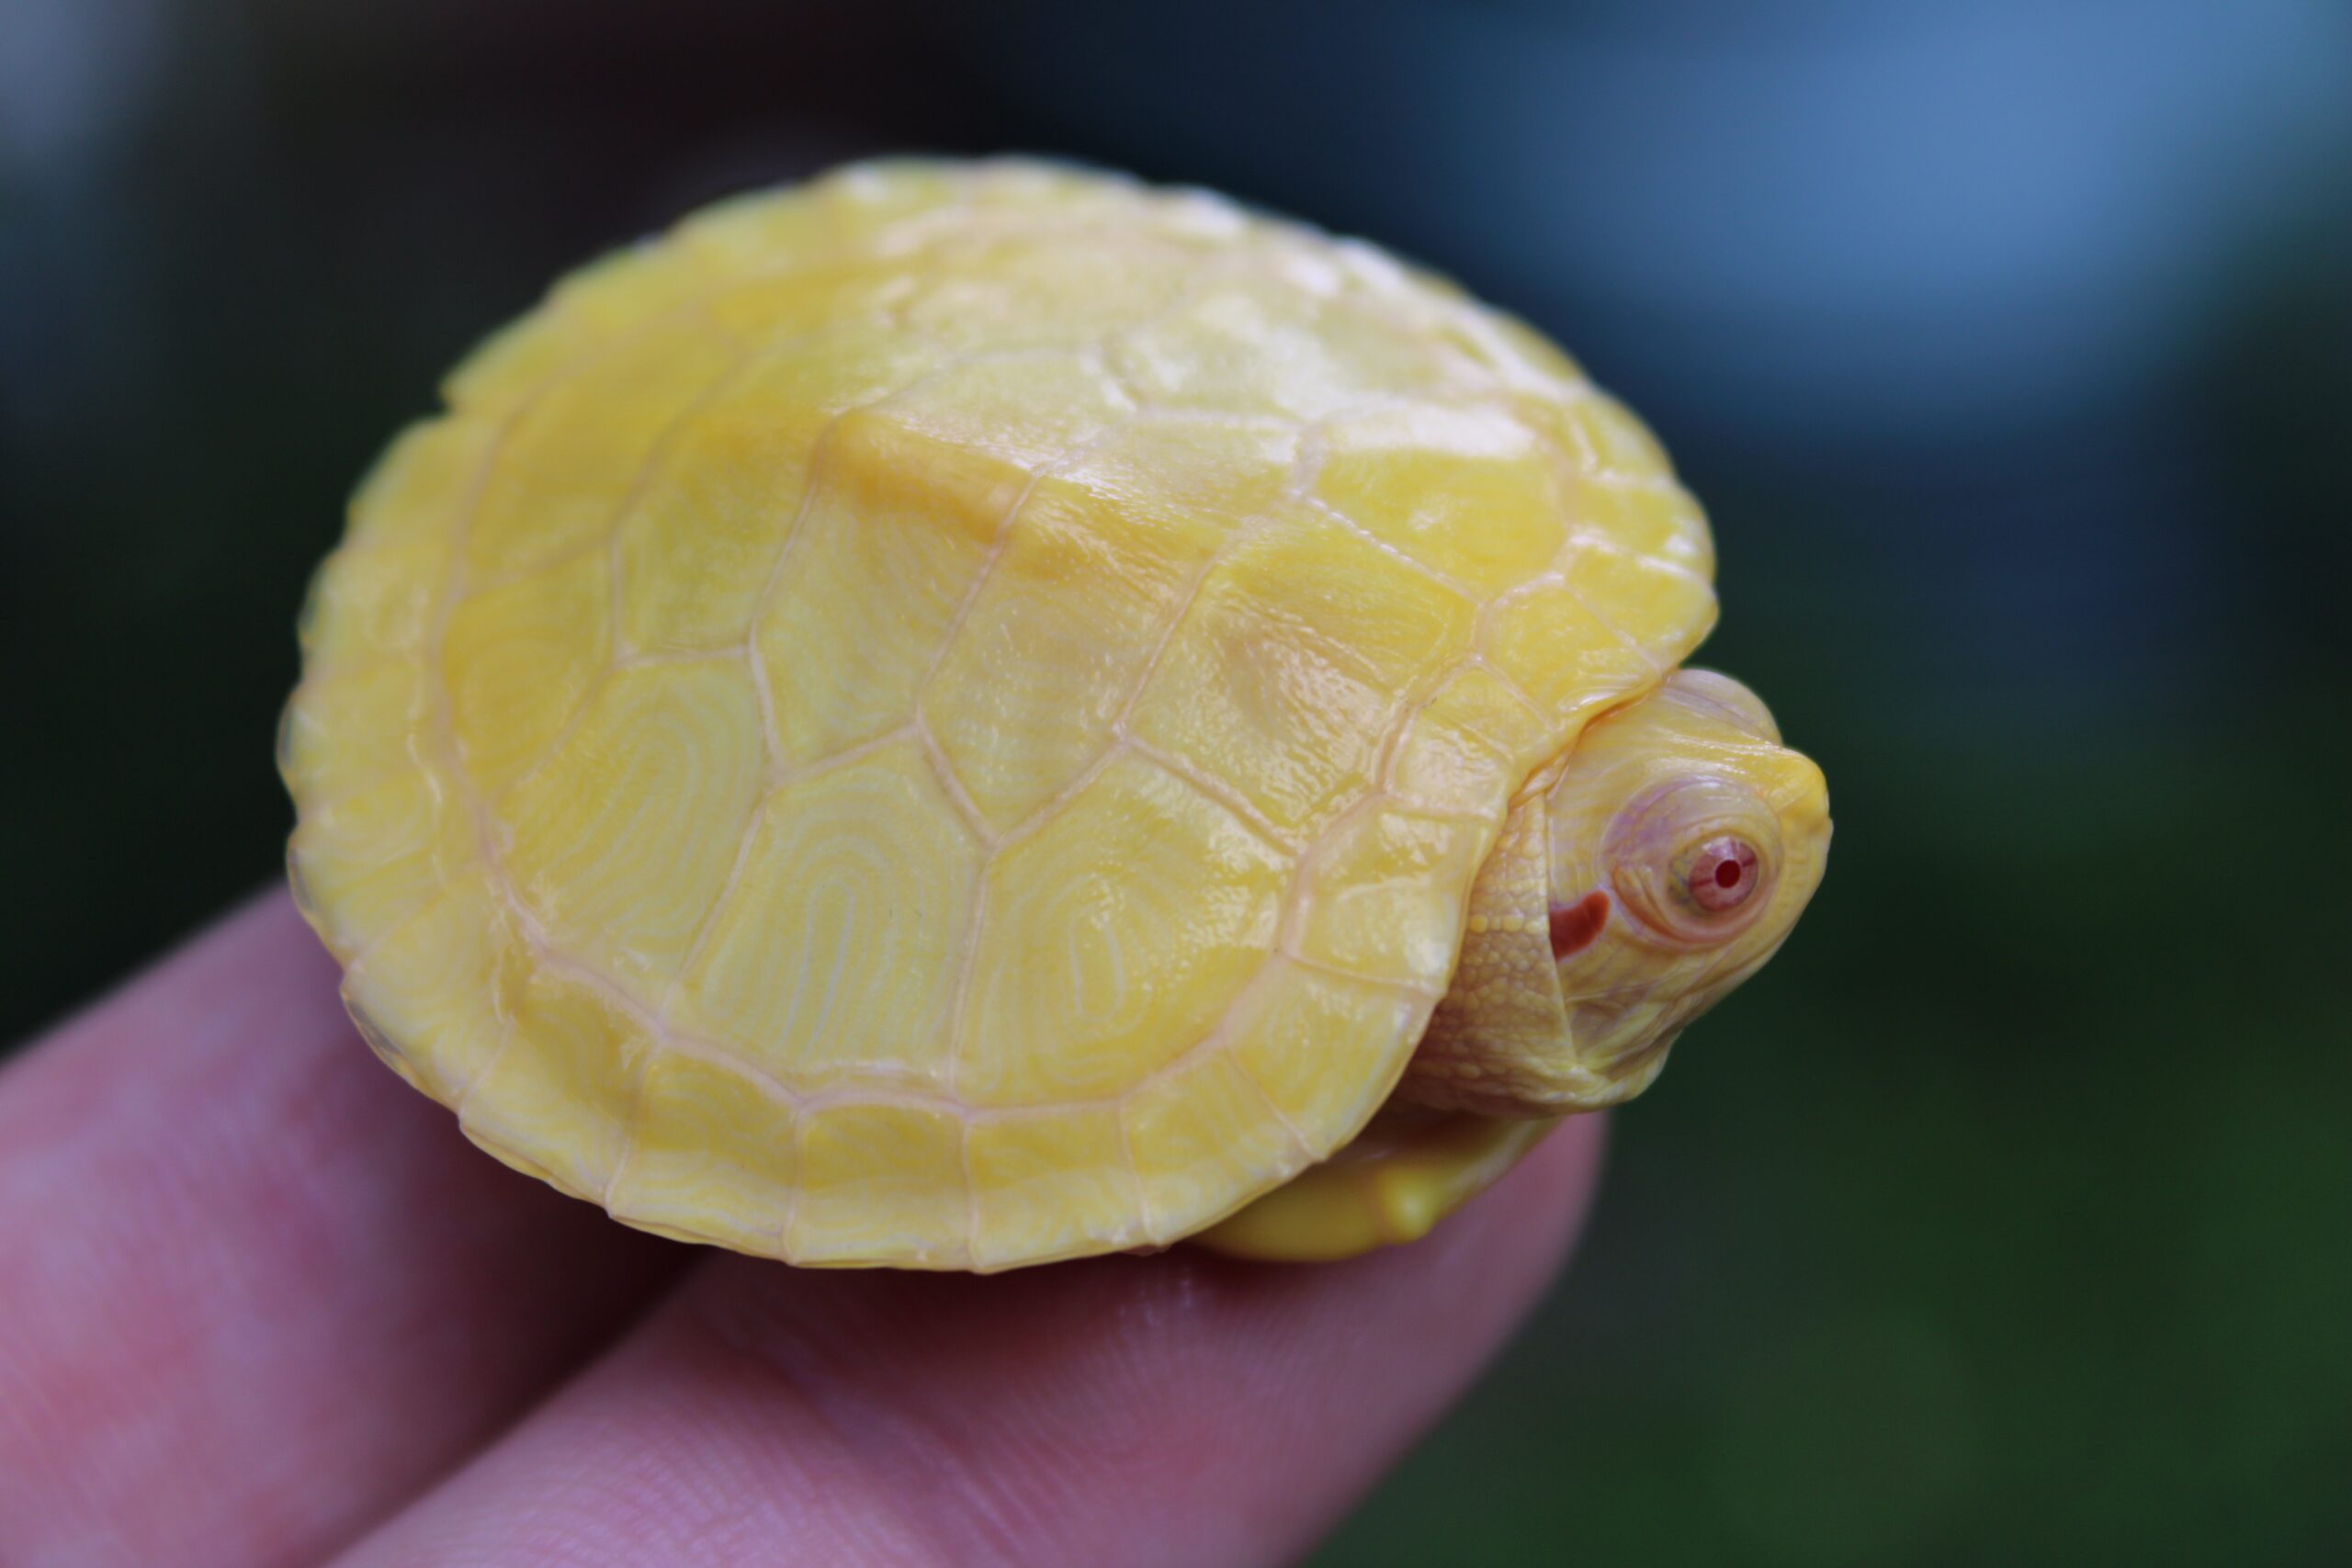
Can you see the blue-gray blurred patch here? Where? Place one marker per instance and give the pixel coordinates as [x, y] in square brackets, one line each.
[1934, 284]
[1793, 217]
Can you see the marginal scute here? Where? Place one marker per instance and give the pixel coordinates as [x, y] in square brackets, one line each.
[882, 192]
[1053, 1184]
[348, 730]
[709, 1156]
[1664, 609]
[373, 858]
[373, 603]
[1520, 356]
[879, 1183]
[440, 983]
[558, 1095]
[774, 308]
[1025, 185]
[946, 717]
[1561, 655]
[1119, 931]
[1656, 519]
[1312, 1042]
[1202, 1135]
[757, 232]
[629, 284]
[586, 311]
[514, 364]
[1602, 434]
[835, 952]
[419, 487]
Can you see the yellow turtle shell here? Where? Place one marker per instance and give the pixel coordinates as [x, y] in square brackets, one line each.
[947, 716]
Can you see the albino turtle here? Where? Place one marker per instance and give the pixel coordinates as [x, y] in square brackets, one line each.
[958, 716]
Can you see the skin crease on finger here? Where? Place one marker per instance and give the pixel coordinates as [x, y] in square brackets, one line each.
[253, 1292]
[1182, 1409]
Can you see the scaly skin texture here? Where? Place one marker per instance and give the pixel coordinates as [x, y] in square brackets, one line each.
[949, 717]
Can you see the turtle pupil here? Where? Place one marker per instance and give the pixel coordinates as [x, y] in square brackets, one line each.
[1724, 875]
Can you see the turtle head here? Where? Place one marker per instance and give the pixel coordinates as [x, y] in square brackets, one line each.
[1680, 842]
[1685, 841]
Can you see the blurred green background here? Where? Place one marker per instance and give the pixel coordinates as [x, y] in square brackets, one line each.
[2008, 1217]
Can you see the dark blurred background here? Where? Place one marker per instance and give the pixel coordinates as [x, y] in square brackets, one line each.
[2008, 1217]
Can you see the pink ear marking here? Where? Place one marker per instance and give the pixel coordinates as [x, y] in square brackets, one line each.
[1575, 927]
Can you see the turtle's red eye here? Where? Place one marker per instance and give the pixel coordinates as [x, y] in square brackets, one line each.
[1723, 873]
[1693, 858]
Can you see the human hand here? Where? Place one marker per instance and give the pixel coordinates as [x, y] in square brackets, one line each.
[260, 1304]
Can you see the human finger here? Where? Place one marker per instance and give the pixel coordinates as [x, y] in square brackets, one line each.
[254, 1291]
[1181, 1409]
